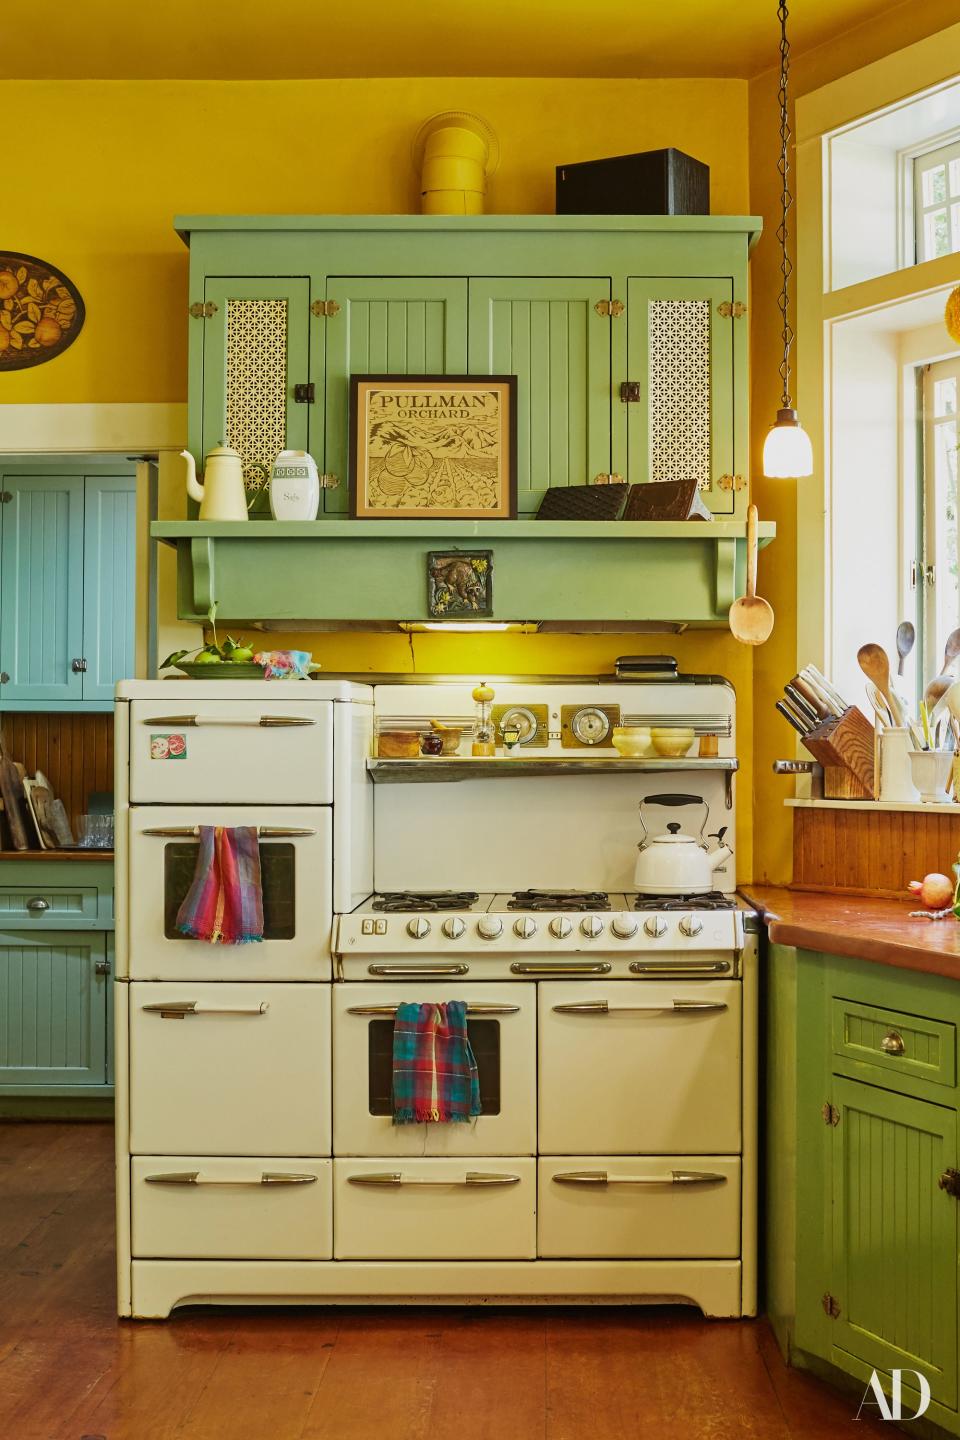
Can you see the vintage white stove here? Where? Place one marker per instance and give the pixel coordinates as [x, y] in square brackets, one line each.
[615, 1033]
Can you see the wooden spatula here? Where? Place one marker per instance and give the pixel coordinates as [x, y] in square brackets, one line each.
[751, 618]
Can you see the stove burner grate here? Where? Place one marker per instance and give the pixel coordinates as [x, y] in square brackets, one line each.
[709, 900]
[559, 900]
[403, 900]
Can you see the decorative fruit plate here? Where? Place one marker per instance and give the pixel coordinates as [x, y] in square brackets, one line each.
[221, 670]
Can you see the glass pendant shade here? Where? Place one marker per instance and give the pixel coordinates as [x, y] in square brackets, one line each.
[787, 452]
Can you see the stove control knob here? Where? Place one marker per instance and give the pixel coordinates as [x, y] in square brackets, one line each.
[624, 927]
[691, 925]
[524, 928]
[561, 927]
[655, 927]
[489, 927]
[453, 927]
[418, 927]
[591, 926]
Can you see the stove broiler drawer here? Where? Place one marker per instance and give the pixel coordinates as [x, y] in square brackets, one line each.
[269, 752]
[640, 1068]
[188, 1207]
[229, 1069]
[466, 1209]
[639, 1208]
[502, 1026]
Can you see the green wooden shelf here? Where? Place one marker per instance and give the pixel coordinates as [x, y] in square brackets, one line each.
[375, 570]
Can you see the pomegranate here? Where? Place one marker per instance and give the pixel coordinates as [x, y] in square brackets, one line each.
[934, 891]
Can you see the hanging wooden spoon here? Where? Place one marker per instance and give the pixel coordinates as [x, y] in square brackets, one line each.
[906, 638]
[875, 664]
[751, 618]
[951, 650]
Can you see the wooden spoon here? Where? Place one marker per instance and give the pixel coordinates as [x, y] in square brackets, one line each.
[751, 618]
[936, 690]
[875, 664]
[906, 638]
[951, 650]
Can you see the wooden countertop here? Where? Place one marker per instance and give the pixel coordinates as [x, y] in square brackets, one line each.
[860, 926]
[76, 854]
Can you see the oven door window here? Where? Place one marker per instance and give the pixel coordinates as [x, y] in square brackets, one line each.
[484, 1040]
[278, 876]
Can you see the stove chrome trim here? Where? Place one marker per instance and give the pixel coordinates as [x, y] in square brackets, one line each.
[264, 832]
[477, 1009]
[414, 971]
[603, 1007]
[182, 1009]
[557, 970]
[684, 969]
[266, 722]
[603, 1178]
[395, 1178]
[268, 1177]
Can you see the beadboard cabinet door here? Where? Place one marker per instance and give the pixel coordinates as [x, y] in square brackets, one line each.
[109, 582]
[255, 350]
[682, 351]
[384, 326]
[549, 333]
[53, 1009]
[41, 588]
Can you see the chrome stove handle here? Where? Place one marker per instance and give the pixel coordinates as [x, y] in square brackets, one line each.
[267, 722]
[545, 967]
[676, 1177]
[265, 832]
[669, 1007]
[182, 1009]
[412, 972]
[389, 1010]
[395, 1179]
[683, 968]
[194, 1177]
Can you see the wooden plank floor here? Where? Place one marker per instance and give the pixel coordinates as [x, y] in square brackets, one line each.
[69, 1370]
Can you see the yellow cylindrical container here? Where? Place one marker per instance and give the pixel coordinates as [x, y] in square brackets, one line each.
[455, 152]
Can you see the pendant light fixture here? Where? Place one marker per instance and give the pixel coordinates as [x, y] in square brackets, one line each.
[787, 452]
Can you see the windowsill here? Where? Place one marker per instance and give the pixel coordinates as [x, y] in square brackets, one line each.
[910, 807]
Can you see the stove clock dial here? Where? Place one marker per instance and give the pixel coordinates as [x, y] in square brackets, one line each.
[418, 927]
[591, 926]
[655, 926]
[590, 726]
[489, 927]
[561, 927]
[624, 927]
[691, 925]
[524, 928]
[453, 927]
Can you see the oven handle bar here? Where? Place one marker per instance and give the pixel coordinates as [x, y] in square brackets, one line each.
[685, 968]
[522, 967]
[394, 1179]
[669, 1007]
[413, 971]
[193, 1177]
[676, 1177]
[265, 832]
[479, 1009]
[181, 1009]
[266, 722]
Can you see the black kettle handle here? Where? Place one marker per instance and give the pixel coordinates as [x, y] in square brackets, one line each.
[674, 800]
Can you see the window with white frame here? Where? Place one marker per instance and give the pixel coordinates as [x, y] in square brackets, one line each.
[938, 561]
[936, 201]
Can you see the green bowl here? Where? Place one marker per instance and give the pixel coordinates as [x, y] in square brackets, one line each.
[221, 670]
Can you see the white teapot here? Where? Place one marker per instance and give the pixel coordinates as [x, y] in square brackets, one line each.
[222, 495]
[294, 486]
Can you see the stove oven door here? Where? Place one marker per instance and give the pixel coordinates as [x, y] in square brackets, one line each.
[296, 867]
[501, 1022]
[640, 1067]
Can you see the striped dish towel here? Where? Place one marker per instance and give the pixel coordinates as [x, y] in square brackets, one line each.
[224, 904]
[435, 1076]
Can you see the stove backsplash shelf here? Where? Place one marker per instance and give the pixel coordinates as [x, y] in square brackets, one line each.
[440, 770]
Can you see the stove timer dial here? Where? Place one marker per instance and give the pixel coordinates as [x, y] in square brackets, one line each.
[489, 927]
[453, 927]
[561, 927]
[524, 928]
[418, 928]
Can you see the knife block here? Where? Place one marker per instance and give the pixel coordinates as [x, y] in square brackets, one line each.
[844, 746]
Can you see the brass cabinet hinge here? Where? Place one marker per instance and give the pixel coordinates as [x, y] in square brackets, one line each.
[325, 309]
[329, 482]
[613, 479]
[732, 482]
[203, 309]
[831, 1306]
[5, 497]
[305, 394]
[830, 1113]
[950, 1181]
[732, 310]
[612, 308]
[631, 392]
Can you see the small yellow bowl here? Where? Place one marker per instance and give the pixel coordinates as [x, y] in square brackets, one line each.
[672, 744]
[631, 741]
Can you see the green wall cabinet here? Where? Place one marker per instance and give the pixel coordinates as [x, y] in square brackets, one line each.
[67, 597]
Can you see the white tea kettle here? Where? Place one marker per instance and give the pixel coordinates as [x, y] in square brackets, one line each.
[222, 495]
[294, 486]
[673, 863]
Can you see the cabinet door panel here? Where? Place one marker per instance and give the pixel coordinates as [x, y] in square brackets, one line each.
[548, 333]
[53, 1008]
[681, 350]
[255, 350]
[109, 586]
[41, 588]
[895, 1234]
[386, 327]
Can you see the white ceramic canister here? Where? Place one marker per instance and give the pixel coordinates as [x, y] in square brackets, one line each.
[896, 783]
[294, 486]
[931, 771]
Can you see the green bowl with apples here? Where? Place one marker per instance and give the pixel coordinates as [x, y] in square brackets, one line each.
[221, 670]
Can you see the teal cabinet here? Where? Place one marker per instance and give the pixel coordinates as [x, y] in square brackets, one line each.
[552, 335]
[67, 587]
[54, 993]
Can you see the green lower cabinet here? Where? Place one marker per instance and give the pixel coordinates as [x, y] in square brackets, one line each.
[54, 997]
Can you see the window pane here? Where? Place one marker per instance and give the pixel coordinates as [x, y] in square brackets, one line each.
[934, 185]
[955, 227]
[945, 522]
[955, 177]
[945, 397]
[936, 234]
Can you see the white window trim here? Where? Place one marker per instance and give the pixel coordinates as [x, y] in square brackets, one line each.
[906, 192]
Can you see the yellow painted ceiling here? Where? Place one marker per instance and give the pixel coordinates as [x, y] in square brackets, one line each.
[303, 39]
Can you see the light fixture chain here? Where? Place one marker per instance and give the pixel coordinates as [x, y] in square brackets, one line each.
[786, 203]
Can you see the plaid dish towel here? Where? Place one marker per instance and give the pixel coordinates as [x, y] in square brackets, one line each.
[224, 904]
[434, 1070]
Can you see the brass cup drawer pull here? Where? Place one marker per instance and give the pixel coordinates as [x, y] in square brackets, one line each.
[676, 1177]
[394, 1179]
[182, 1009]
[411, 972]
[265, 832]
[266, 722]
[892, 1043]
[521, 967]
[389, 1010]
[669, 1007]
[194, 1177]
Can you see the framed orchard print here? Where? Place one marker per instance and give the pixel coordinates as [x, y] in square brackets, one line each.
[433, 447]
